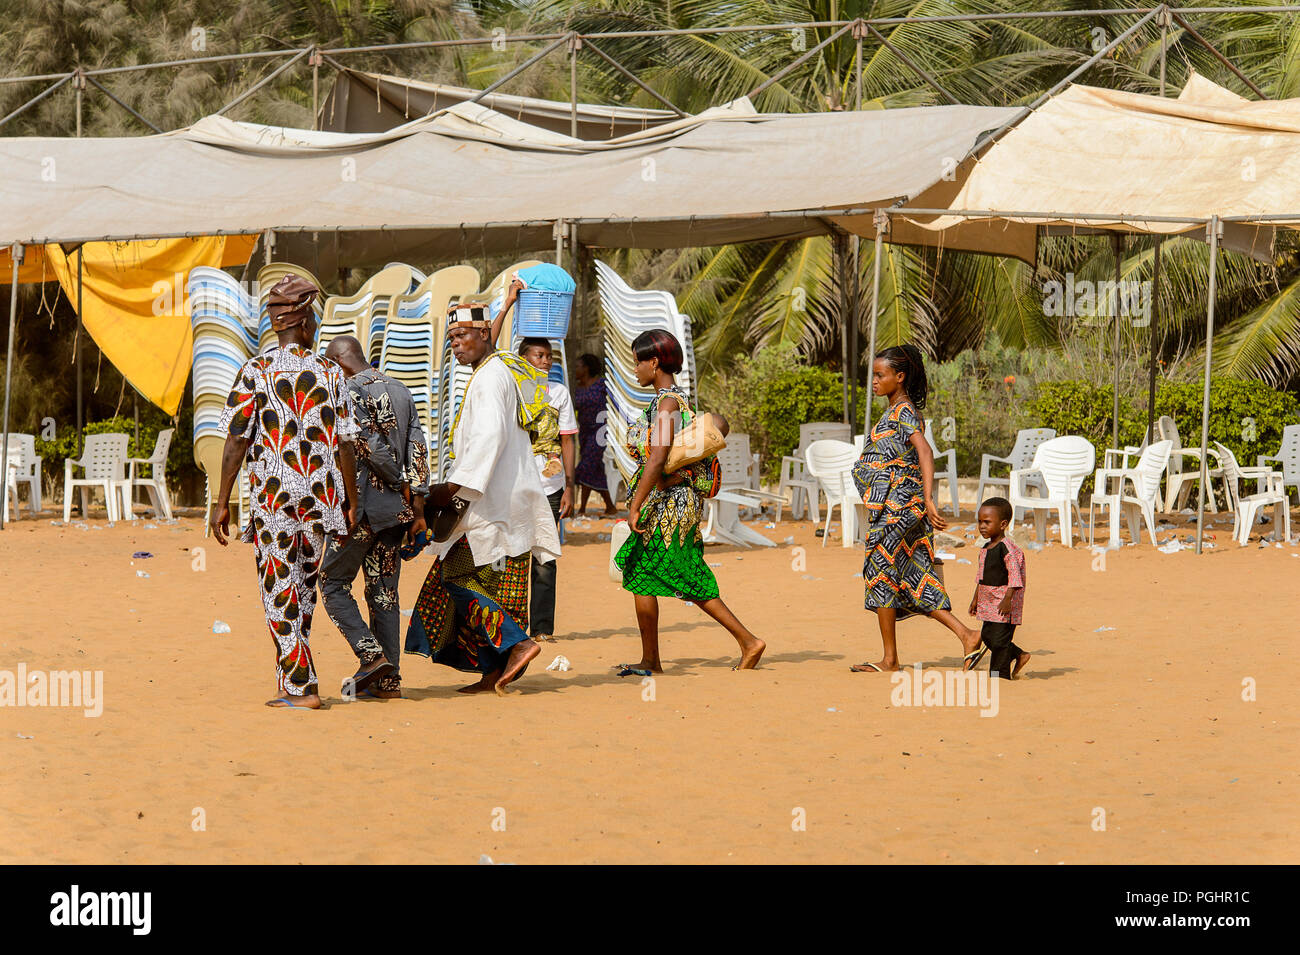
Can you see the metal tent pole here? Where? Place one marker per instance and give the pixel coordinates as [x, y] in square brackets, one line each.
[855, 320]
[1155, 324]
[1117, 241]
[1215, 228]
[575, 44]
[882, 221]
[81, 348]
[16, 251]
[840, 251]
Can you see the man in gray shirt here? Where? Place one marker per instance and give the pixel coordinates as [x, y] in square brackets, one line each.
[392, 480]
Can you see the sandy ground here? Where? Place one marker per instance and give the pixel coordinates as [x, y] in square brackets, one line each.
[1145, 721]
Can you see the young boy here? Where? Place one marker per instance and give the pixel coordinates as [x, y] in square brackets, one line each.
[1000, 590]
[556, 457]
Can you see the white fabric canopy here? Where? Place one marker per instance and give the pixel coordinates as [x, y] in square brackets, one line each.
[1090, 150]
[472, 181]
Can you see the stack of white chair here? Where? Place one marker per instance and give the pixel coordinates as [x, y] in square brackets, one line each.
[363, 314]
[224, 317]
[1062, 465]
[1246, 507]
[628, 313]
[415, 350]
[266, 279]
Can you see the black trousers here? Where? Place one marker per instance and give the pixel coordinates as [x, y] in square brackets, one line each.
[541, 602]
[1003, 651]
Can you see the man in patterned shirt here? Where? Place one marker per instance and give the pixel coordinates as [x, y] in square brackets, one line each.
[392, 481]
[289, 413]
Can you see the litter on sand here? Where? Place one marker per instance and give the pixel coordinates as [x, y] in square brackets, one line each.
[141, 555]
[1103, 629]
[220, 626]
[141, 573]
[560, 663]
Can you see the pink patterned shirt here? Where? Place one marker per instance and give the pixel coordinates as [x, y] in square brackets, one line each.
[988, 597]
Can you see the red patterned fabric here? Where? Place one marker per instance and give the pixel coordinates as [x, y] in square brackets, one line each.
[988, 599]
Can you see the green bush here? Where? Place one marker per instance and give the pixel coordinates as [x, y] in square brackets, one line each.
[180, 456]
[768, 396]
[1246, 416]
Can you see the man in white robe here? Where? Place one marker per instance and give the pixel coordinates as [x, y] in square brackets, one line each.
[472, 613]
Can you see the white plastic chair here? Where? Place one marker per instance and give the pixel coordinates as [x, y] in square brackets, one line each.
[1185, 469]
[948, 473]
[11, 491]
[1288, 455]
[155, 484]
[1062, 464]
[803, 487]
[735, 493]
[1027, 443]
[831, 463]
[25, 468]
[1246, 506]
[104, 461]
[1136, 490]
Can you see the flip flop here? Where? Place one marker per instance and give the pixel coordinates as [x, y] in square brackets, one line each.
[280, 703]
[362, 680]
[971, 660]
[866, 668]
[625, 670]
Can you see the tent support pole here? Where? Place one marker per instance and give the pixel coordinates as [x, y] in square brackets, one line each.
[491, 87]
[37, 98]
[627, 74]
[315, 60]
[17, 252]
[80, 346]
[882, 223]
[855, 322]
[857, 65]
[1117, 242]
[575, 44]
[1155, 325]
[840, 250]
[1215, 228]
[1216, 54]
[781, 74]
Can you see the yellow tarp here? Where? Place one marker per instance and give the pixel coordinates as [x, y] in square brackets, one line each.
[133, 301]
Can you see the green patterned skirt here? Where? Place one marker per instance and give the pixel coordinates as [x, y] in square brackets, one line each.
[667, 560]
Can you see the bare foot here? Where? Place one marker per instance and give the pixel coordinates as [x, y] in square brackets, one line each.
[883, 666]
[485, 685]
[1020, 664]
[521, 654]
[970, 641]
[311, 701]
[749, 659]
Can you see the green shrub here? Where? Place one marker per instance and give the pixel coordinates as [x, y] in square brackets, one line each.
[768, 396]
[1246, 416]
[180, 456]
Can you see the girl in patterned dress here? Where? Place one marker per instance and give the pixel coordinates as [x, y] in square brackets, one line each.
[895, 477]
[664, 556]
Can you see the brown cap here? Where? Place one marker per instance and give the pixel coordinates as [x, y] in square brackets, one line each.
[289, 301]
